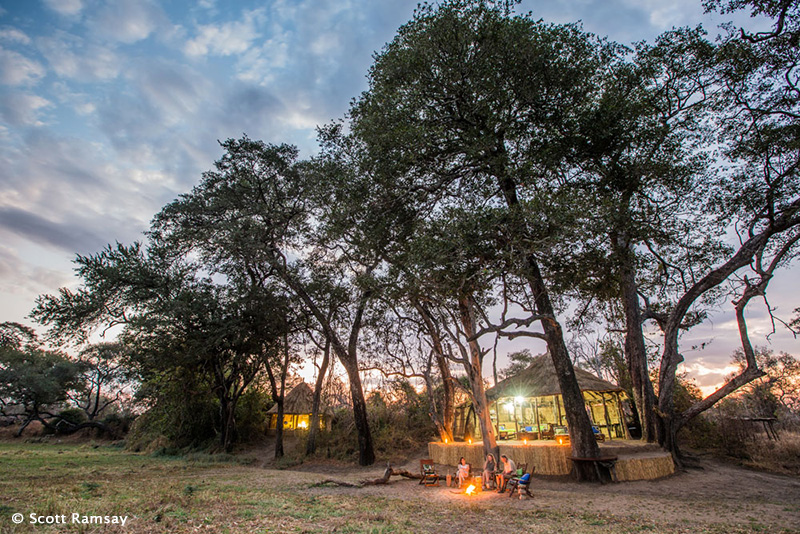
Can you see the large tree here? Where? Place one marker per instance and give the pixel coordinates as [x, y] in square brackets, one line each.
[466, 102]
[258, 217]
[757, 191]
[178, 322]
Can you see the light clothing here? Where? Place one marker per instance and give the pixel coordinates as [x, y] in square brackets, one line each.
[462, 473]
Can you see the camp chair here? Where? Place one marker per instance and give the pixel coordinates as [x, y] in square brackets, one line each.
[522, 483]
[428, 471]
[597, 434]
[517, 474]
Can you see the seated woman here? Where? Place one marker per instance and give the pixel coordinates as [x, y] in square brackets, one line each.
[489, 467]
[462, 472]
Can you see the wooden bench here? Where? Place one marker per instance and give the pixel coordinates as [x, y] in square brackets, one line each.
[607, 462]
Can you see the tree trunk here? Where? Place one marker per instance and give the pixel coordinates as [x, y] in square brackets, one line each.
[366, 454]
[582, 439]
[443, 421]
[474, 368]
[349, 358]
[311, 444]
[227, 410]
[636, 354]
[279, 452]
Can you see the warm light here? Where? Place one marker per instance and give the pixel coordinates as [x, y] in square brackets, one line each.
[470, 441]
[525, 441]
[560, 441]
[302, 424]
[445, 441]
[470, 490]
[519, 400]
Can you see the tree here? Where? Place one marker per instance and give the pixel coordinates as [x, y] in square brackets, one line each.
[759, 189]
[465, 102]
[635, 178]
[105, 375]
[519, 361]
[33, 381]
[253, 218]
[181, 326]
[778, 390]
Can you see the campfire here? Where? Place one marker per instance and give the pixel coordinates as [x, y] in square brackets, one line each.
[470, 490]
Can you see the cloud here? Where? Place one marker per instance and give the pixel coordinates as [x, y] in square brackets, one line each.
[16, 69]
[44, 231]
[226, 39]
[65, 7]
[14, 35]
[20, 277]
[73, 57]
[175, 92]
[22, 109]
[665, 15]
[128, 21]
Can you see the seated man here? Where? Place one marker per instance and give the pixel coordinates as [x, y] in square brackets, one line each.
[509, 470]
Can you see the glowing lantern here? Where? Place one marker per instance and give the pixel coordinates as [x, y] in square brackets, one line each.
[470, 490]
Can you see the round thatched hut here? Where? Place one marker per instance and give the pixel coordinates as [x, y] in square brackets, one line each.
[297, 406]
[528, 405]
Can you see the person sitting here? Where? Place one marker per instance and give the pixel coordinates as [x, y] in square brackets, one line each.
[489, 467]
[509, 470]
[462, 472]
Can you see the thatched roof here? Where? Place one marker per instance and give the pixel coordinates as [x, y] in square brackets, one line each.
[539, 380]
[298, 401]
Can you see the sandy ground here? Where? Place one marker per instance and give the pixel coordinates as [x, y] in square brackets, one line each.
[712, 493]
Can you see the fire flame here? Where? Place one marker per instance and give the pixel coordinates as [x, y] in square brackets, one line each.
[302, 424]
[470, 490]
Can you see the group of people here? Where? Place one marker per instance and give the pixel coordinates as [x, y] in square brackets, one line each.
[490, 470]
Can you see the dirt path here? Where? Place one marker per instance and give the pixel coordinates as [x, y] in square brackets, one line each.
[715, 494]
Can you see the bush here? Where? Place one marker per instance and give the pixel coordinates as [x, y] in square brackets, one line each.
[251, 415]
[69, 418]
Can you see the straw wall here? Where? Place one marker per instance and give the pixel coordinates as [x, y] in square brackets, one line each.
[645, 467]
[552, 459]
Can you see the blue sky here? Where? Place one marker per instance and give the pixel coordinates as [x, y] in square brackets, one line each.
[110, 109]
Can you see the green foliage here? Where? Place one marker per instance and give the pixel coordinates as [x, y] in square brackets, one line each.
[251, 415]
[519, 361]
[34, 379]
[71, 416]
[184, 414]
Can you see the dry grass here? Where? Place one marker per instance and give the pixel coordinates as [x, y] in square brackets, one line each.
[781, 456]
[162, 494]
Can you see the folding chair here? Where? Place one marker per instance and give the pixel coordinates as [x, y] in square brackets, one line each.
[521, 484]
[428, 471]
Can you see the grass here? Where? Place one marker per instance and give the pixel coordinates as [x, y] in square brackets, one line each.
[170, 494]
[781, 456]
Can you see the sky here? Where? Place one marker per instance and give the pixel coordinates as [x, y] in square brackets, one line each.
[109, 109]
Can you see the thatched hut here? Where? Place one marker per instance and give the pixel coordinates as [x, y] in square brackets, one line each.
[528, 405]
[297, 410]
